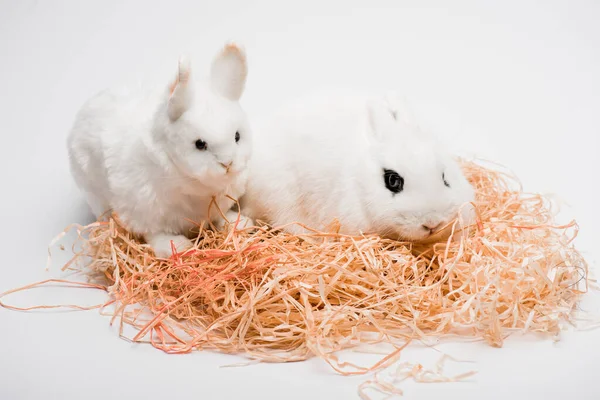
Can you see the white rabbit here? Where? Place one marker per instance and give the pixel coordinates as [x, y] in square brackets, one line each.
[157, 157]
[357, 160]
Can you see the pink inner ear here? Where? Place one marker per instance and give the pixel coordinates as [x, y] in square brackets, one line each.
[182, 77]
[173, 86]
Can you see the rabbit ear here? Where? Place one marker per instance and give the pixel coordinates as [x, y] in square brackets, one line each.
[228, 72]
[399, 108]
[180, 91]
[381, 118]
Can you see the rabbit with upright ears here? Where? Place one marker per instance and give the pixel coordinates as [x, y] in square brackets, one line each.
[356, 160]
[167, 159]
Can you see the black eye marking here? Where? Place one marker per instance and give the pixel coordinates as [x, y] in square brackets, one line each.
[201, 144]
[393, 182]
[237, 137]
[445, 181]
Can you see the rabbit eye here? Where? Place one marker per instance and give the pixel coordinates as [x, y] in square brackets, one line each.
[445, 181]
[393, 182]
[201, 144]
[237, 137]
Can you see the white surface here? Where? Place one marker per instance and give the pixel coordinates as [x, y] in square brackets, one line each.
[516, 82]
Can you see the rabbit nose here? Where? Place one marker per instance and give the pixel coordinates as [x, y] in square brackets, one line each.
[432, 226]
[226, 165]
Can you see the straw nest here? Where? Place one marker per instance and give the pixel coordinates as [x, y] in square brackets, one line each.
[280, 297]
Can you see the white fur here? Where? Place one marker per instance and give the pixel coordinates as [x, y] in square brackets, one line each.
[322, 158]
[134, 152]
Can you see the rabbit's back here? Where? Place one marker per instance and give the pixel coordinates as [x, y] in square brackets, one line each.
[304, 162]
[107, 131]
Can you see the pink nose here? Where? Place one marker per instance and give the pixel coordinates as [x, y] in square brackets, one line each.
[432, 227]
[226, 166]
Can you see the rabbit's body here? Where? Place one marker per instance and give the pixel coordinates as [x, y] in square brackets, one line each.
[287, 181]
[324, 158]
[134, 152]
[118, 142]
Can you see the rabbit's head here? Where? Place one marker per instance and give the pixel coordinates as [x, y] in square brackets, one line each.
[415, 187]
[202, 127]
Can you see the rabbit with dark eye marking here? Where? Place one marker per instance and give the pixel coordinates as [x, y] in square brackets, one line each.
[357, 160]
[158, 157]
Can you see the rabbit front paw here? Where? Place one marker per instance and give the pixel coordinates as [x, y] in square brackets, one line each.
[161, 244]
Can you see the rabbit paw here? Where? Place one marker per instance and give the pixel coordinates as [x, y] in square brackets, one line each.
[161, 244]
[232, 217]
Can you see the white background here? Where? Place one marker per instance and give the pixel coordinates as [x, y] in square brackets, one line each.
[517, 82]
